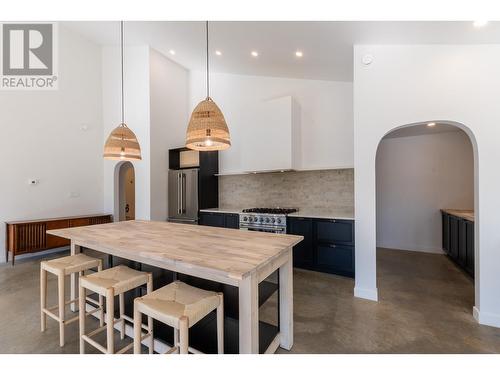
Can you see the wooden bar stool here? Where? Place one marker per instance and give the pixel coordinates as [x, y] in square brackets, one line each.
[110, 283]
[180, 306]
[63, 267]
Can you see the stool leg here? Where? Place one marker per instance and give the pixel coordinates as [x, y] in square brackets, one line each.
[43, 299]
[122, 312]
[220, 325]
[81, 317]
[176, 339]
[149, 289]
[183, 334]
[101, 299]
[110, 319]
[137, 329]
[60, 281]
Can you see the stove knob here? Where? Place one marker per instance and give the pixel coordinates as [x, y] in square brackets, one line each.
[267, 220]
[261, 219]
[245, 218]
[272, 220]
[278, 221]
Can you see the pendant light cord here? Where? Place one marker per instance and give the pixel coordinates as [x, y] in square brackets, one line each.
[208, 76]
[121, 53]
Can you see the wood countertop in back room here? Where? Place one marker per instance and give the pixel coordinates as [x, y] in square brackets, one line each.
[464, 214]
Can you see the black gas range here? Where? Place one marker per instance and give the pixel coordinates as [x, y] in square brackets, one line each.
[265, 219]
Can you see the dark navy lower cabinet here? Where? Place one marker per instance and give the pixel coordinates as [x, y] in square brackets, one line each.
[303, 255]
[211, 219]
[335, 231]
[217, 219]
[336, 259]
[328, 245]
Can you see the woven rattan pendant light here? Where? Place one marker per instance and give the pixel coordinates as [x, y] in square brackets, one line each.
[122, 144]
[207, 129]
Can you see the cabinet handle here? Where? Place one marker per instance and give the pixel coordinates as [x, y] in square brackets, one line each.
[333, 246]
[333, 220]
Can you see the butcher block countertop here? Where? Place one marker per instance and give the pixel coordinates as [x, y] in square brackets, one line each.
[230, 253]
[464, 214]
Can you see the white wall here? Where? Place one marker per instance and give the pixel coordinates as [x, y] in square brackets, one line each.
[137, 118]
[325, 106]
[410, 84]
[42, 139]
[169, 118]
[416, 177]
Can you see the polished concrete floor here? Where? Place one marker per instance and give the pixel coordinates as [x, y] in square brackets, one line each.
[425, 306]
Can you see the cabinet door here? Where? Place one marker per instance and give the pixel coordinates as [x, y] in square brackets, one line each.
[462, 243]
[55, 241]
[469, 264]
[212, 219]
[232, 221]
[453, 251]
[303, 254]
[79, 222]
[336, 259]
[335, 231]
[446, 231]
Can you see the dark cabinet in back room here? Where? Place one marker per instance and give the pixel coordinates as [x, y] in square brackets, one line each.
[458, 241]
[453, 225]
[328, 245]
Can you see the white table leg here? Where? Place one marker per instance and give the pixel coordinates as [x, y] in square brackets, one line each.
[74, 249]
[249, 315]
[286, 304]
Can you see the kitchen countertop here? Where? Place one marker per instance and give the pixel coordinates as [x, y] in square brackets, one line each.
[464, 214]
[325, 214]
[223, 210]
[312, 213]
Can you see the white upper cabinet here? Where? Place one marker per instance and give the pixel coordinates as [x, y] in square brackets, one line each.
[271, 139]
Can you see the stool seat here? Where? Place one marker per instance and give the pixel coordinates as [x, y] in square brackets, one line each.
[70, 264]
[120, 278]
[177, 299]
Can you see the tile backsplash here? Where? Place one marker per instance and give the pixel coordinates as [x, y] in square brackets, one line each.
[325, 189]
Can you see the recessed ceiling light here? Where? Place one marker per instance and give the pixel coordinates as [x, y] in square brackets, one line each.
[299, 54]
[254, 53]
[172, 52]
[431, 124]
[480, 23]
[218, 53]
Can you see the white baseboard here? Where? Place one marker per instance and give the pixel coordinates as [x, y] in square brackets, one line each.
[486, 318]
[370, 294]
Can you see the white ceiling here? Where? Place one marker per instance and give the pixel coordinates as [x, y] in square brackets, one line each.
[327, 46]
[422, 129]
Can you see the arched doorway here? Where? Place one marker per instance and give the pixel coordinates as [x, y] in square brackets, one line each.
[422, 168]
[124, 191]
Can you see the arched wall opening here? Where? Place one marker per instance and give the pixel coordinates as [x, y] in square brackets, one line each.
[124, 191]
[420, 128]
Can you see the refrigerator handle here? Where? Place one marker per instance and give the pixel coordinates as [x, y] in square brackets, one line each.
[179, 194]
[183, 199]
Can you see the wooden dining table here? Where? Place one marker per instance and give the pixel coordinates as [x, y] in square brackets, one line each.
[235, 257]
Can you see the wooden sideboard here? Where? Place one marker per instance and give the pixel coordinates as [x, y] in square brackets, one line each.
[29, 236]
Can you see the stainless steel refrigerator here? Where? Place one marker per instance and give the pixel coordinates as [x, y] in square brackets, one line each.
[183, 195]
